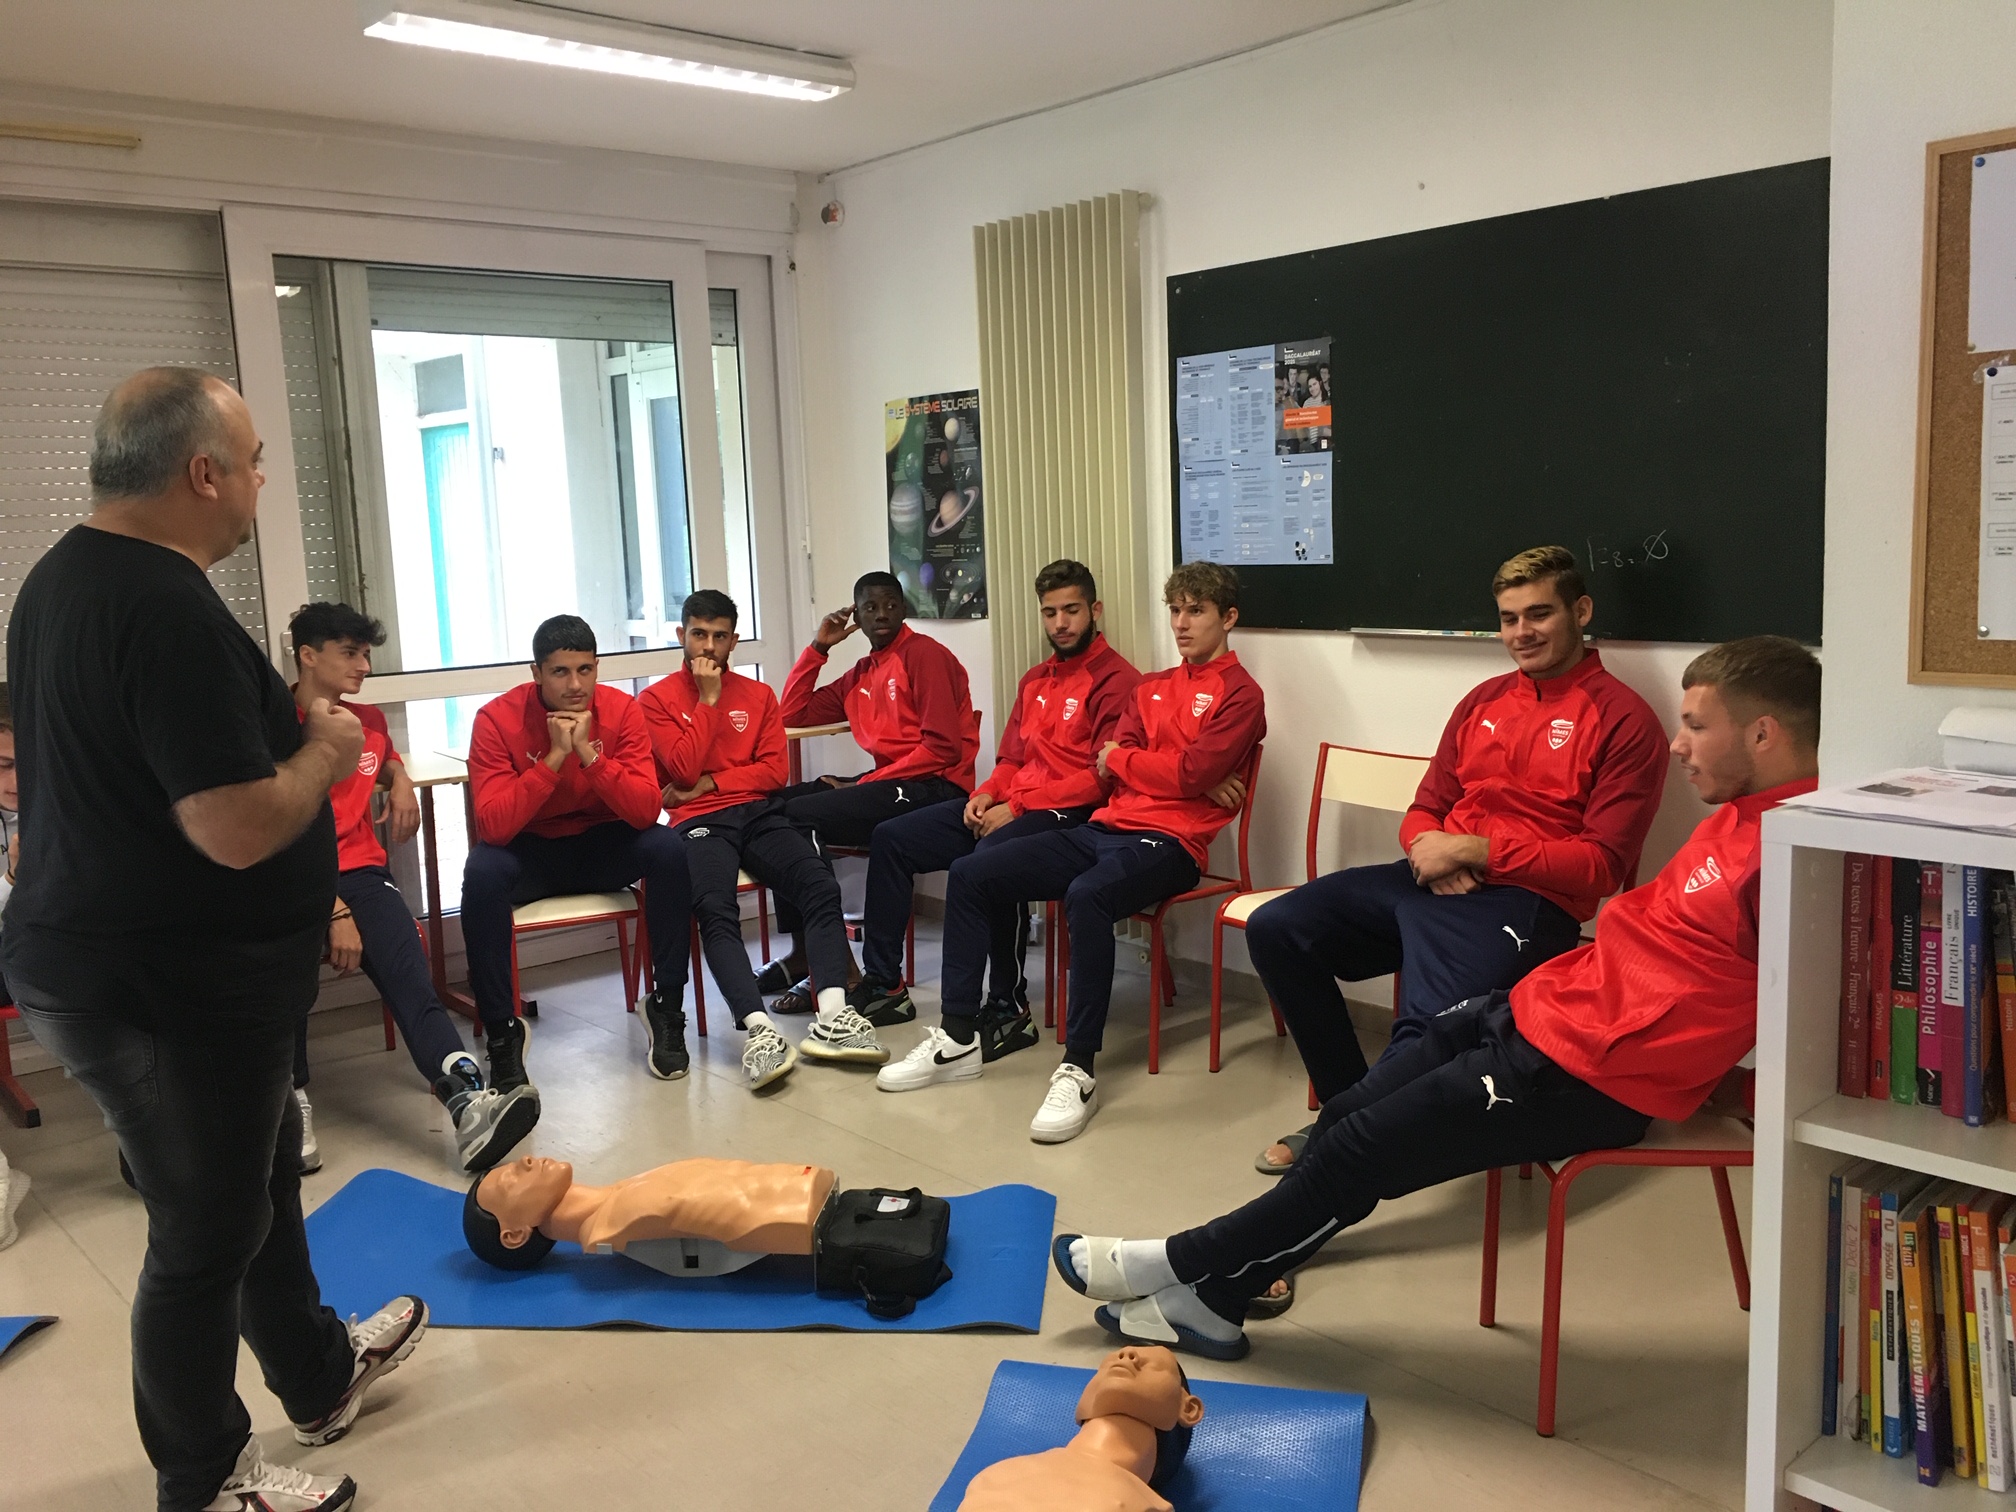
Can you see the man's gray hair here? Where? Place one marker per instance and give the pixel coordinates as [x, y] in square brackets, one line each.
[148, 429]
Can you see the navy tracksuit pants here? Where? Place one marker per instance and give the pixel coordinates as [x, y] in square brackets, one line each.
[758, 838]
[1103, 875]
[497, 878]
[849, 815]
[1369, 921]
[933, 839]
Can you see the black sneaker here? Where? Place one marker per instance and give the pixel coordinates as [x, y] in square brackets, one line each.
[487, 1122]
[1004, 1029]
[665, 1037]
[880, 1003]
[506, 1050]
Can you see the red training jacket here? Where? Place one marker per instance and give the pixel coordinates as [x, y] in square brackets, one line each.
[1066, 708]
[1664, 1004]
[1185, 730]
[516, 792]
[357, 842]
[738, 740]
[1562, 777]
[908, 705]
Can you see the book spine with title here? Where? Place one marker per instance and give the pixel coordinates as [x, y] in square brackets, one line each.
[1905, 909]
[1853, 1080]
[1933, 1020]
[1879, 977]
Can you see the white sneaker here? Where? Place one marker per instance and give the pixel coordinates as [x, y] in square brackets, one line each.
[844, 1037]
[1067, 1107]
[256, 1486]
[381, 1341]
[13, 1192]
[767, 1057]
[937, 1058]
[311, 1152]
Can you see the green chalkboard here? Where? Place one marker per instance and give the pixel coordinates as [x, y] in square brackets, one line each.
[1642, 379]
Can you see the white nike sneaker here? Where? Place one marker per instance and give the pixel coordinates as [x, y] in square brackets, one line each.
[1067, 1107]
[937, 1058]
[767, 1057]
[256, 1486]
[845, 1037]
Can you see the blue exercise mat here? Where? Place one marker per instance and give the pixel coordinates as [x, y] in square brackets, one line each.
[385, 1233]
[14, 1330]
[1259, 1448]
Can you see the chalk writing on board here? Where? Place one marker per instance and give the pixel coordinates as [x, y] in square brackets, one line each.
[1620, 554]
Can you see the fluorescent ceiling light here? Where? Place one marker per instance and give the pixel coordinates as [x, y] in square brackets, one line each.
[536, 33]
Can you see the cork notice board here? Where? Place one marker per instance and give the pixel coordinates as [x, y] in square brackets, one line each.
[1946, 643]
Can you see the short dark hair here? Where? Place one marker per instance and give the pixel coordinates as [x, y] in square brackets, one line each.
[563, 632]
[709, 603]
[869, 580]
[486, 1235]
[148, 429]
[1542, 564]
[1764, 674]
[318, 624]
[1065, 573]
[1206, 582]
[1171, 1445]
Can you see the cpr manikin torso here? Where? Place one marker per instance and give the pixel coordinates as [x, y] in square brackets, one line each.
[691, 1218]
[1136, 1398]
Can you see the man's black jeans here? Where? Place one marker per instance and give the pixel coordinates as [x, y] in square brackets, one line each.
[210, 1128]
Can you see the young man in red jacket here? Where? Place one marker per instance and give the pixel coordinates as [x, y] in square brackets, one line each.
[1581, 1055]
[1175, 762]
[908, 705]
[1534, 810]
[1066, 709]
[371, 926]
[719, 741]
[566, 799]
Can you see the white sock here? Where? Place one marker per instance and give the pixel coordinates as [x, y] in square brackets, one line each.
[757, 1020]
[831, 1001]
[1144, 1264]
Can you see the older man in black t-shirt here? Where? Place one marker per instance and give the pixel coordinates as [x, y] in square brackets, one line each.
[178, 868]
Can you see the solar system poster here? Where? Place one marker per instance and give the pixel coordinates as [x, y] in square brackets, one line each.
[937, 524]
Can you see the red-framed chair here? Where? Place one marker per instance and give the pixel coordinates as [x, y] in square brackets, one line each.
[624, 908]
[20, 1106]
[1707, 1139]
[1347, 775]
[744, 883]
[1161, 980]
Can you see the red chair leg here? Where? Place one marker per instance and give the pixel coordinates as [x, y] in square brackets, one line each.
[628, 964]
[20, 1106]
[1217, 985]
[1156, 967]
[1732, 1235]
[1168, 976]
[1280, 1024]
[1526, 1172]
[1487, 1301]
[391, 1039]
[1314, 1103]
[1550, 1305]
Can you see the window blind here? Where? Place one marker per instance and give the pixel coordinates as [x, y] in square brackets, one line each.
[503, 304]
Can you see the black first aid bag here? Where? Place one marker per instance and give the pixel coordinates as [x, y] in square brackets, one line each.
[886, 1246]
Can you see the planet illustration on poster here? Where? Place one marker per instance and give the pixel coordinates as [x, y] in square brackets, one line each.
[952, 510]
[936, 490]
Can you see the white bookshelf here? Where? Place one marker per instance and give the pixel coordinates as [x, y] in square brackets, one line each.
[1805, 1130]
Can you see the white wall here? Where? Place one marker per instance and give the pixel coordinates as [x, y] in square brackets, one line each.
[1904, 75]
[1438, 112]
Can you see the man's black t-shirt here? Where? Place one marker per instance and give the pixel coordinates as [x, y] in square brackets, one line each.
[133, 687]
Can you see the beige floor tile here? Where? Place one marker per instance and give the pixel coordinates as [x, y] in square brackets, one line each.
[1652, 1381]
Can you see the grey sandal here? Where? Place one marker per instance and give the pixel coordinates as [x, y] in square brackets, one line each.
[1296, 1143]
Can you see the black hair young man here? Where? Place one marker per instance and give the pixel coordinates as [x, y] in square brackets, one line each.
[909, 706]
[1582, 1054]
[371, 926]
[719, 742]
[1175, 763]
[1045, 777]
[1534, 811]
[566, 799]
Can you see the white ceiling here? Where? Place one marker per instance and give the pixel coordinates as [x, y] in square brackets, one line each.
[925, 69]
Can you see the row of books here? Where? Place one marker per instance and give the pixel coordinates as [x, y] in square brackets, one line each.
[1921, 1344]
[1928, 985]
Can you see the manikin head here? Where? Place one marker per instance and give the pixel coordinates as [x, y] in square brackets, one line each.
[1542, 610]
[332, 648]
[179, 444]
[1750, 717]
[707, 626]
[879, 607]
[1203, 600]
[1070, 603]
[1142, 1393]
[505, 1206]
[564, 664]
